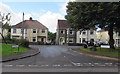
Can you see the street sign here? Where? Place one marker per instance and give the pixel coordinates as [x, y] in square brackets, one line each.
[63, 38]
[15, 46]
[105, 46]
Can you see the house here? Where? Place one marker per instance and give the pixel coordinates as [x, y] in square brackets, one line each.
[65, 34]
[102, 35]
[5, 31]
[86, 35]
[31, 30]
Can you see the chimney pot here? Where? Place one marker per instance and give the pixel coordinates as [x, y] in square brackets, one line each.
[30, 18]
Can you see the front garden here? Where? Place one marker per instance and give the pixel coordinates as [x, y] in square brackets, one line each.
[7, 50]
[104, 51]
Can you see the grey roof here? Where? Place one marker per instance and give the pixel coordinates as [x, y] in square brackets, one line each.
[62, 24]
[30, 24]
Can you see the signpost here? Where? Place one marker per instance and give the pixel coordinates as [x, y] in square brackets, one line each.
[15, 46]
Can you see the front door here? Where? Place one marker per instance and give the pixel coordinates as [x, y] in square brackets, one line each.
[42, 39]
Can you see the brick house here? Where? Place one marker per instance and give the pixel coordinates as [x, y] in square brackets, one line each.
[31, 30]
[65, 34]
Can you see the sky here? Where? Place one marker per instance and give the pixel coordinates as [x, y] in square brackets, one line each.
[47, 13]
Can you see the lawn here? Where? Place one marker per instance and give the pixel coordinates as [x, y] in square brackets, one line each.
[7, 50]
[104, 51]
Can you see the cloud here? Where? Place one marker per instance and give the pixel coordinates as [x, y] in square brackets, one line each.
[63, 6]
[15, 17]
[47, 18]
[50, 19]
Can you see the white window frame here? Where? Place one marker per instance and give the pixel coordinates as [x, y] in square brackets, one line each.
[63, 32]
[71, 32]
[14, 30]
[84, 32]
[71, 39]
[34, 38]
[34, 30]
[42, 31]
[92, 32]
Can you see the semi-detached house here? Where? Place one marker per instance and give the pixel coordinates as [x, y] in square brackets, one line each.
[31, 30]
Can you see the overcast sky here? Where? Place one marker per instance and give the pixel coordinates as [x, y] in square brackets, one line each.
[47, 13]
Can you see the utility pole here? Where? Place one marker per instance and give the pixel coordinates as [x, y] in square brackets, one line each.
[22, 30]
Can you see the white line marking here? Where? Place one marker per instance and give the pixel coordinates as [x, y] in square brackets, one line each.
[101, 65]
[67, 65]
[20, 65]
[8, 65]
[32, 65]
[96, 63]
[44, 65]
[56, 65]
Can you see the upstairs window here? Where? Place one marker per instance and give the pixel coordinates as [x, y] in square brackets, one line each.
[14, 30]
[22, 31]
[71, 32]
[43, 30]
[34, 30]
[84, 32]
[91, 32]
[62, 31]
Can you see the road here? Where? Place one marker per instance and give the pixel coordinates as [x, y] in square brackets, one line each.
[60, 59]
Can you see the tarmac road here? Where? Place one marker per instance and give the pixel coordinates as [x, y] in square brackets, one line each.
[60, 59]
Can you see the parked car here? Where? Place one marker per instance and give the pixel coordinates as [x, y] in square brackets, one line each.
[48, 42]
[99, 43]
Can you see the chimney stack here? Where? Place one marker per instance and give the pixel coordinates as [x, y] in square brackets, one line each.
[30, 18]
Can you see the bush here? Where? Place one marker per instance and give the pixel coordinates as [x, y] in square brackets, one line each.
[24, 43]
[76, 44]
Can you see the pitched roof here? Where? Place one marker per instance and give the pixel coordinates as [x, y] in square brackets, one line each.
[62, 24]
[30, 24]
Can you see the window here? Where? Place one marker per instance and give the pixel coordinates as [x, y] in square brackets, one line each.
[117, 41]
[91, 32]
[92, 40]
[43, 30]
[67, 32]
[34, 39]
[61, 31]
[25, 31]
[71, 32]
[22, 31]
[80, 40]
[70, 40]
[34, 30]
[14, 30]
[83, 39]
[84, 32]
[118, 33]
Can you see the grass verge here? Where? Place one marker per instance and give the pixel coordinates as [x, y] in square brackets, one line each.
[104, 51]
[7, 50]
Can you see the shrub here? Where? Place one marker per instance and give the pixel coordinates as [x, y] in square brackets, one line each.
[24, 43]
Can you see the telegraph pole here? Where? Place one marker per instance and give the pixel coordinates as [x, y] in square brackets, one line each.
[22, 28]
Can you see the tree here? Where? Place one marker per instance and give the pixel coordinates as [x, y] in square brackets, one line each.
[52, 36]
[5, 19]
[84, 15]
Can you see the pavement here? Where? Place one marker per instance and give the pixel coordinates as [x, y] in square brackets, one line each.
[94, 55]
[31, 52]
